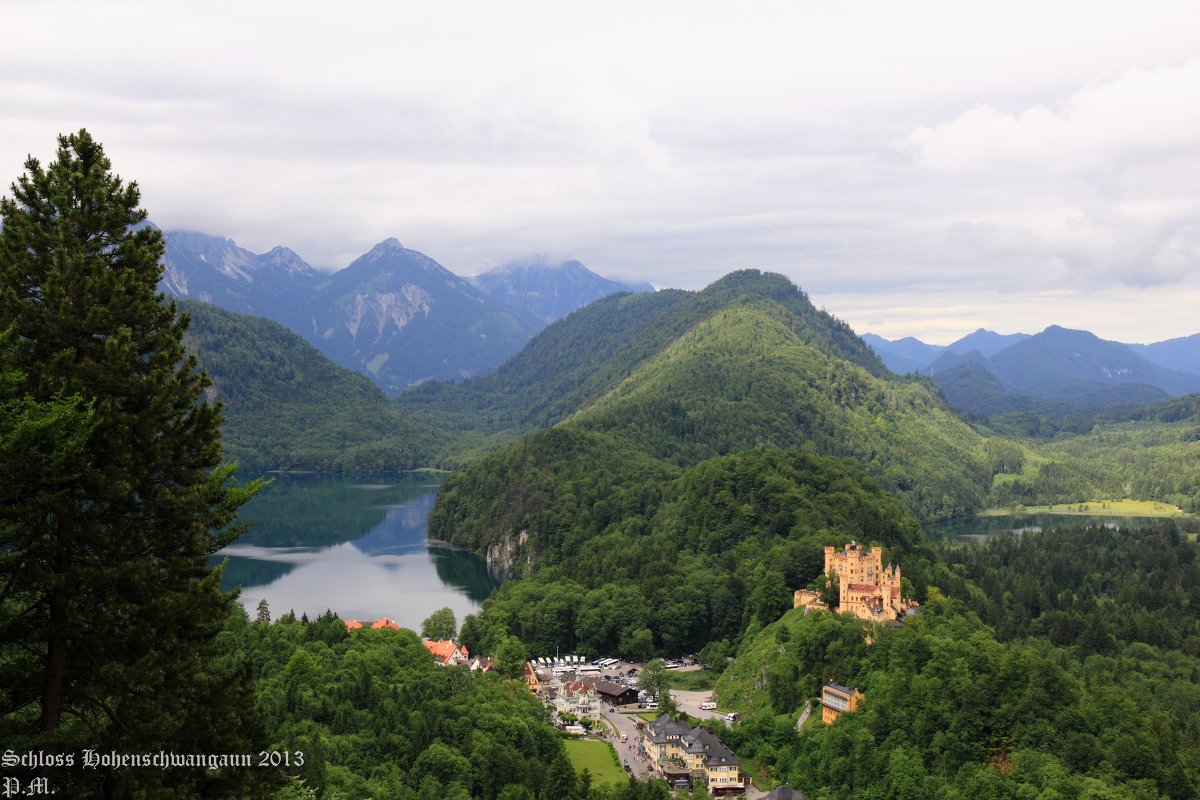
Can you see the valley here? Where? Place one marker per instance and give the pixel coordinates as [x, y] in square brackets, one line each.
[549, 401]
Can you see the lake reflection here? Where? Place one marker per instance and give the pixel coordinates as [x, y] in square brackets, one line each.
[356, 546]
[981, 528]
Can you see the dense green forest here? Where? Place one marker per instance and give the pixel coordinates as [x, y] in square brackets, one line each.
[665, 469]
[756, 367]
[288, 407]
[690, 562]
[1062, 663]
[747, 362]
[1151, 459]
[368, 714]
[375, 717]
[681, 376]
[951, 712]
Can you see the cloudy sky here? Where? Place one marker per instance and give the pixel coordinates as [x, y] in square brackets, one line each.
[920, 168]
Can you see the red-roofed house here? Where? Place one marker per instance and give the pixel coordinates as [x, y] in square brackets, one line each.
[447, 651]
[353, 624]
[384, 622]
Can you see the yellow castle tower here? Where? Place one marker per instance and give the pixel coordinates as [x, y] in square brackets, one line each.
[866, 588]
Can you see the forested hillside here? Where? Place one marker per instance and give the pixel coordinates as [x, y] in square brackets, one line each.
[747, 363]
[1155, 458]
[371, 715]
[575, 361]
[1083, 683]
[676, 565]
[286, 406]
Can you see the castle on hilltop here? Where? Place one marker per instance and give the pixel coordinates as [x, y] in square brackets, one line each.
[866, 588]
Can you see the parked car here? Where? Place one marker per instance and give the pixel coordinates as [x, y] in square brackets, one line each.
[707, 706]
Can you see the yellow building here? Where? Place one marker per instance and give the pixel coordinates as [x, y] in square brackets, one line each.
[808, 600]
[531, 678]
[687, 755]
[866, 588]
[837, 699]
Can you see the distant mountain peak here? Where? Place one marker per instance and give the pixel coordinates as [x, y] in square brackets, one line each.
[288, 259]
[547, 289]
[387, 245]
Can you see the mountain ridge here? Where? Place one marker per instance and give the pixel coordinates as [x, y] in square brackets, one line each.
[746, 363]
[394, 314]
[550, 291]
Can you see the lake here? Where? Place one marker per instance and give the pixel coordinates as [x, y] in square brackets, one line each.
[356, 545]
[981, 528]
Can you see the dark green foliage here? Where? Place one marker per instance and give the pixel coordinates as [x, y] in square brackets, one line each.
[688, 562]
[375, 717]
[288, 407]
[108, 611]
[1149, 459]
[511, 657]
[753, 365]
[951, 712]
[440, 625]
[1086, 586]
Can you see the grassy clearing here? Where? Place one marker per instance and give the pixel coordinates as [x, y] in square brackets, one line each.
[598, 758]
[757, 773]
[1117, 508]
[695, 681]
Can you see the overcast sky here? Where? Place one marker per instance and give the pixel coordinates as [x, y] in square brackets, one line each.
[920, 168]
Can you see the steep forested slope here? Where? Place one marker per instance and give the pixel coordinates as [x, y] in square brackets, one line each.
[660, 565]
[288, 407]
[746, 363]
[576, 360]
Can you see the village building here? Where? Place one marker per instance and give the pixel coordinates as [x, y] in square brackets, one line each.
[532, 681]
[615, 693]
[384, 622]
[686, 756]
[837, 700]
[447, 652]
[866, 588]
[785, 792]
[481, 664]
[578, 698]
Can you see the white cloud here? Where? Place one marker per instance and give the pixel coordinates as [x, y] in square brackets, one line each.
[1142, 114]
[1042, 145]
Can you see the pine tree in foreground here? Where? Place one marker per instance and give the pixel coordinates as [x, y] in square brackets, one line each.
[108, 610]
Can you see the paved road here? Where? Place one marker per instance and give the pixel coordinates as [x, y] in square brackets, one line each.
[804, 714]
[627, 724]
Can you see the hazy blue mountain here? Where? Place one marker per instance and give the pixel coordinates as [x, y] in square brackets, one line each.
[903, 355]
[215, 270]
[394, 314]
[550, 291]
[1056, 372]
[1058, 363]
[1181, 354]
[403, 318]
[969, 386]
[986, 342]
[953, 359]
